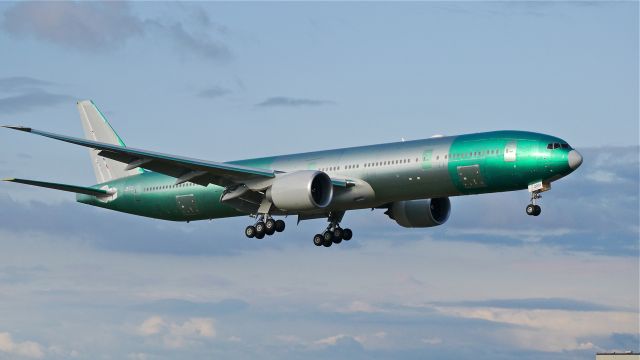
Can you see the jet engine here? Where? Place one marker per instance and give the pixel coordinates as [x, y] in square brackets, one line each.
[420, 213]
[301, 191]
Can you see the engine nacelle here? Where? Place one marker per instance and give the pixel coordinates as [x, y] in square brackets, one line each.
[420, 213]
[301, 191]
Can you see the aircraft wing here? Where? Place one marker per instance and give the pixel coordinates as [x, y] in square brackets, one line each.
[184, 169]
[64, 187]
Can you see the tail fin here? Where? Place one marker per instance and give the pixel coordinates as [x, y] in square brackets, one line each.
[97, 128]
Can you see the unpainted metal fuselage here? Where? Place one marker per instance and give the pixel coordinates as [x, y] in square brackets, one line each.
[430, 168]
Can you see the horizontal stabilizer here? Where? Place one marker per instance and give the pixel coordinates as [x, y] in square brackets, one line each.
[64, 187]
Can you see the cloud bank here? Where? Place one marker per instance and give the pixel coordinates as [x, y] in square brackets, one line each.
[106, 26]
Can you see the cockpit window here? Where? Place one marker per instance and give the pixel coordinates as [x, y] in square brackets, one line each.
[552, 146]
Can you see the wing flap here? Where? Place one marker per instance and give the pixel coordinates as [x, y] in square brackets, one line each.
[64, 187]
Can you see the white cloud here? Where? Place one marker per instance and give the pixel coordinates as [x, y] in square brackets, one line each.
[176, 335]
[525, 235]
[431, 341]
[331, 340]
[290, 339]
[151, 326]
[361, 306]
[137, 356]
[26, 348]
[603, 176]
[369, 340]
[551, 330]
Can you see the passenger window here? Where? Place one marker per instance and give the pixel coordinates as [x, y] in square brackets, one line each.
[556, 145]
[565, 145]
[549, 146]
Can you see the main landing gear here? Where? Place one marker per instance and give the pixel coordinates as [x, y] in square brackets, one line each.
[533, 209]
[333, 234]
[265, 225]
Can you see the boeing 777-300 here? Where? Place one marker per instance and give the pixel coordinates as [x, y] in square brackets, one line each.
[412, 180]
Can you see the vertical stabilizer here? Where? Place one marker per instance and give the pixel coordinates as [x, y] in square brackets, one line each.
[97, 128]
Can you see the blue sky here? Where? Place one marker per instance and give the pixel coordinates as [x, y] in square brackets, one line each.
[225, 81]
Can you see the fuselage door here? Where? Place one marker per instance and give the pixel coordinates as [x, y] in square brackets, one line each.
[426, 159]
[510, 151]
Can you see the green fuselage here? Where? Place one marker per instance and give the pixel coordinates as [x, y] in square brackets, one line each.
[430, 168]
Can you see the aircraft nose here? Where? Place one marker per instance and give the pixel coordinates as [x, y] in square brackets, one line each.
[575, 159]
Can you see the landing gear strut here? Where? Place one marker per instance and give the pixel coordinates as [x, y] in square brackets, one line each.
[333, 234]
[265, 225]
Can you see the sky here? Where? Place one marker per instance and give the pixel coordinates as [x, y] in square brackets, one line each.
[226, 81]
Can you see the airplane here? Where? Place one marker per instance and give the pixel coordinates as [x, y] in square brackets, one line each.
[411, 180]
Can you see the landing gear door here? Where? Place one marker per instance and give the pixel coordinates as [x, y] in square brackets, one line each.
[510, 151]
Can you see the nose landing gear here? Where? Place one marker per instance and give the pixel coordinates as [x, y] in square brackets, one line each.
[533, 209]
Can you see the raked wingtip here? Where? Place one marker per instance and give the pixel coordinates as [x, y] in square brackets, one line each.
[17, 127]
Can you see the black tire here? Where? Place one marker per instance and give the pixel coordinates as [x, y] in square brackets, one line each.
[269, 225]
[270, 231]
[328, 236]
[337, 240]
[347, 234]
[318, 240]
[327, 243]
[250, 232]
[537, 210]
[531, 209]
[337, 233]
[260, 227]
[280, 225]
[259, 235]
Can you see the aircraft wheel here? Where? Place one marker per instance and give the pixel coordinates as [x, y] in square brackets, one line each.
[328, 236]
[259, 235]
[537, 210]
[260, 227]
[531, 209]
[270, 226]
[347, 234]
[318, 240]
[337, 240]
[337, 234]
[327, 243]
[250, 231]
[280, 225]
[270, 231]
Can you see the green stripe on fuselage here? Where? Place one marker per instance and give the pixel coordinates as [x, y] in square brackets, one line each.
[504, 161]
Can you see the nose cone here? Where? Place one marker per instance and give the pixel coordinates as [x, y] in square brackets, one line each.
[575, 159]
